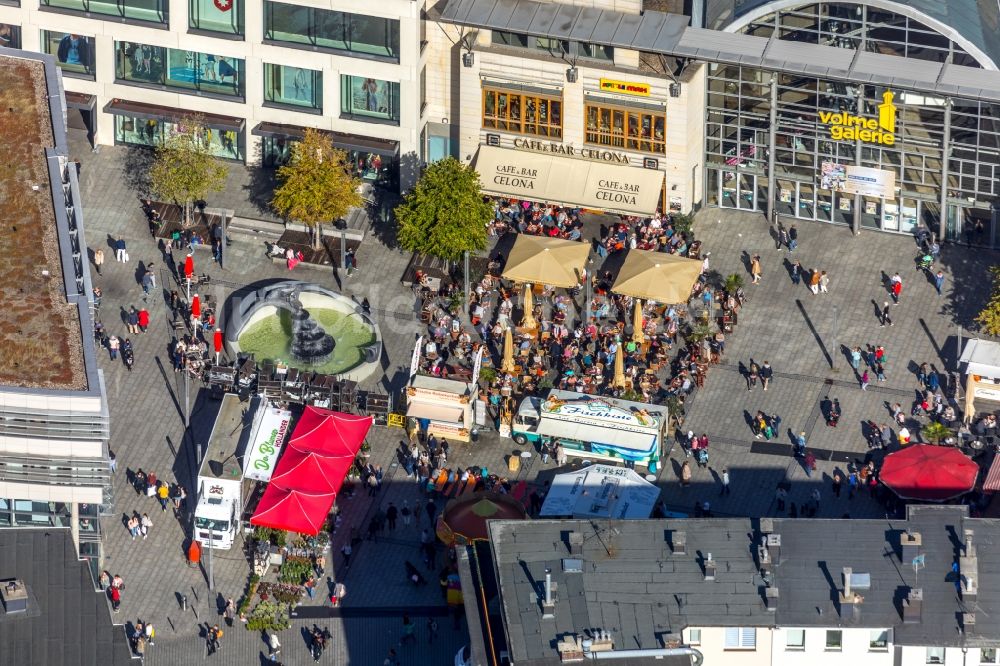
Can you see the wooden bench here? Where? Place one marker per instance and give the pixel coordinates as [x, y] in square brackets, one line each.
[327, 255]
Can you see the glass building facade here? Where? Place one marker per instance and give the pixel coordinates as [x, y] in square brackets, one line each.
[797, 146]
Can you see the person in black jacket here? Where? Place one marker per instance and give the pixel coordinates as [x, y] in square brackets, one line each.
[74, 50]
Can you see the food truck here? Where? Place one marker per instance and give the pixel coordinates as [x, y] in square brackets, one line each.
[242, 450]
[594, 427]
[442, 407]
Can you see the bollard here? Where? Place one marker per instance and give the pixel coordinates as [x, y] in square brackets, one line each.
[184, 602]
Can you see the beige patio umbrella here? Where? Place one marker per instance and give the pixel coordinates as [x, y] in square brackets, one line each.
[638, 334]
[618, 381]
[507, 364]
[553, 261]
[657, 276]
[529, 305]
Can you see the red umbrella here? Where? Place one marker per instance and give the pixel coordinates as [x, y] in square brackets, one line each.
[928, 472]
[196, 306]
[188, 266]
[217, 343]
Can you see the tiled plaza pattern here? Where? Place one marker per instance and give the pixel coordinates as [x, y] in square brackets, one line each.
[788, 326]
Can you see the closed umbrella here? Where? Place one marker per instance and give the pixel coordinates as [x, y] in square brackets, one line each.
[188, 272]
[195, 307]
[529, 305]
[618, 381]
[507, 365]
[637, 332]
[217, 343]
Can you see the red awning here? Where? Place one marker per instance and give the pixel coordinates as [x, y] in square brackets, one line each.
[292, 510]
[927, 472]
[992, 483]
[330, 433]
[311, 472]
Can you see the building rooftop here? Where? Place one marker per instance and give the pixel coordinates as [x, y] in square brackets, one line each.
[67, 621]
[636, 581]
[42, 343]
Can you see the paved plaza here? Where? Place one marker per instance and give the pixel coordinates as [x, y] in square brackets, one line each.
[802, 336]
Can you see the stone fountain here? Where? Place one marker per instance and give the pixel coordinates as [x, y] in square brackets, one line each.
[310, 343]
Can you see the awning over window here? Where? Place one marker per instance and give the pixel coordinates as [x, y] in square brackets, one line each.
[75, 100]
[426, 410]
[121, 107]
[569, 181]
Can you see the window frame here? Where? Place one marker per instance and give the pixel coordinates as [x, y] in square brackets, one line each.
[270, 70]
[347, 21]
[218, 87]
[982, 657]
[884, 634]
[520, 124]
[348, 112]
[694, 637]
[85, 9]
[741, 633]
[622, 140]
[239, 29]
[929, 655]
[837, 646]
[89, 69]
[795, 647]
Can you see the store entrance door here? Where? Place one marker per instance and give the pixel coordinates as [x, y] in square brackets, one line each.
[738, 190]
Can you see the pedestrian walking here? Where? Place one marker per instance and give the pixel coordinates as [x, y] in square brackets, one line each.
[939, 281]
[409, 630]
[755, 270]
[116, 598]
[781, 237]
[112, 461]
[144, 525]
[824, 282]
[885, 318]
[725, 482]
[856, 358]
[885, 434]
[432, 629]
[753, 372]
[163, 494]
[147, 284]
[896, 286]
[350, 262]
[346, 551]
[780, 495]
[864, 380]
[765, 374]
[275, 646]
[121, 252]
[98, 260]
[339, 592]
[796, 272]
[800, 443]
[150, 634]
[810, 462]
[113, 344]
[132, 524]
[431, 509]
[686, 474]
[836, 484]
[815, 497]
[390, 516]
[132, 320]
[793, 238]
[214, 639]
[406, 513]
[560, 455]
[880, 372]
[814, 279]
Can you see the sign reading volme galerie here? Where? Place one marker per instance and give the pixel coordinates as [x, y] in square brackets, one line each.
[845, 127]
[625, 87]
[578, 182]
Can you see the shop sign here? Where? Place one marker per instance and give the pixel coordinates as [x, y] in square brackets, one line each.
[625, 87]
[881, 130]
[598, 412]
[987, 393]
[571, 151]
[413, 392]
[267, 444]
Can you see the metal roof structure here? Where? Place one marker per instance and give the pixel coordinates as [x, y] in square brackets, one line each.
[670, 35]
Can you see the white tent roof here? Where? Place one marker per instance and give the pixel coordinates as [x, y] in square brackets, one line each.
[601, 491]
[981, 357]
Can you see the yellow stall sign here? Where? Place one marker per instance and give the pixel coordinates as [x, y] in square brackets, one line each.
[625, 87]
[396, 421]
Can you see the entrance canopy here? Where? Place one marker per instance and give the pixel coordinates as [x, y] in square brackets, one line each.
[657, 276]
[552, 261]
[292, 510]
[601, 491]
[571, 181]
[928, 472]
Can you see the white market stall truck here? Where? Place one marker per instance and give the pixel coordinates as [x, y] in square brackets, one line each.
[594, 427]
[242, 451]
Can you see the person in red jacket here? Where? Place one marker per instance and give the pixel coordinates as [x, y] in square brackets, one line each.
[143, 319]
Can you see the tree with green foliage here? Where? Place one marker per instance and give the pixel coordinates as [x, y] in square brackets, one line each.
[934, 432]
[444, 215]
[316, 184]
[989, 317]
[184, 170]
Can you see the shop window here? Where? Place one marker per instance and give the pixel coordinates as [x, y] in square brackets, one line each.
[293, 86]
[224, 143]
[522, 113]
[74, 53]
[225, 16]
[154, 11]
[339, 31]
[629, 129]
[176, 68]
[10, 36]
[363, 98]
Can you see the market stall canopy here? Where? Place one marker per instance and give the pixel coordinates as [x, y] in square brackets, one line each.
[312, 472]
[992, 482]
[292, 510]
[657, 276]
[464, 519]
[601, 491]
[572, 181]
[981, 357]
[330, 433]
[553, 261]
[928, 472]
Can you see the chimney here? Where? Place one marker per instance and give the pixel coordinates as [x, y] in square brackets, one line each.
[766, 525]
[764, 557]
[969, 623]
[570, 649]
[968, 566]
[912, 606]
[774, 548]
[549, 600]
[678, 542]
[910, 546]
[771, 598]
[850, 601]
[575, 543]
[709, 567]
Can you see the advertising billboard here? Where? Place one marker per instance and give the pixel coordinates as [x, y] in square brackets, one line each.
[858, 180]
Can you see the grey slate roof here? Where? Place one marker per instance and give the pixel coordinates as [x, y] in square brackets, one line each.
[636, 588]
[73, 627]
